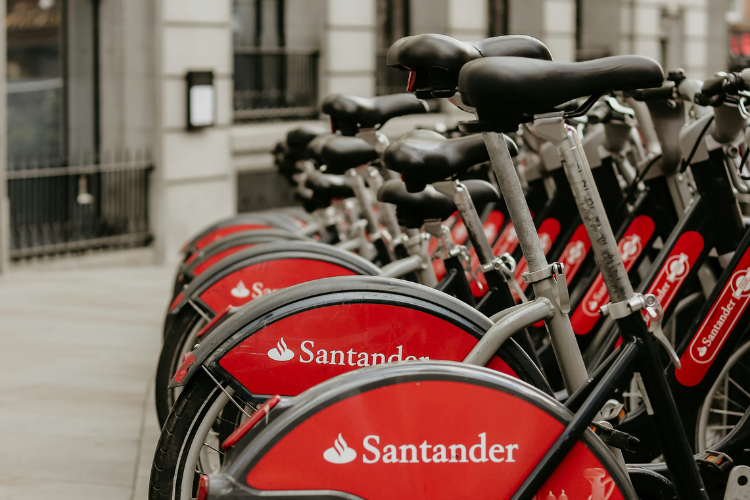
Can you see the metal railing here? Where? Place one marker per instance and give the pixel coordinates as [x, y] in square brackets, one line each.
[55, 208]
[277, 83]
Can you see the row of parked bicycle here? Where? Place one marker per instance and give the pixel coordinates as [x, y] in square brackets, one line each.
[549, 301]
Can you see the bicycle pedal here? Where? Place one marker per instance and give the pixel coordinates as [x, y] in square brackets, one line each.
[613, 412]
[612, 437]
[714, 461]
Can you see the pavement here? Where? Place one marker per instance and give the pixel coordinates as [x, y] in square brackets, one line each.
[78, 351]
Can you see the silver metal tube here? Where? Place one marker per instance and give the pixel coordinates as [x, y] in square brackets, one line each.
[646, 125]
[365, 203]
[350, 245]
[561, 333]
[387, 211]
[400, 267]
[415, 245]
[521, 317]
[594, 217]
[502, 164]
[473, 223]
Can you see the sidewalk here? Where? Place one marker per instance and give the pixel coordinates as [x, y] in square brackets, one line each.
[78, 351]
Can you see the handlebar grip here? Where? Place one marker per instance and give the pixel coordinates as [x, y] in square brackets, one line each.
[713, 86]
[664, 92]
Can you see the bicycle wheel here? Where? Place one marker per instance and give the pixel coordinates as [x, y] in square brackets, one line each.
[378, 319]
[726, 402]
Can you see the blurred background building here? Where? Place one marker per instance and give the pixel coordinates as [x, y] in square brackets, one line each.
[100, 150]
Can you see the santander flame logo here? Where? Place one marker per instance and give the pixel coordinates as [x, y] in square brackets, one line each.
[340, 453]
[576, 251]
[741, 284]
[630, 247]
[677, 267]
[281, 352]
[240, 291]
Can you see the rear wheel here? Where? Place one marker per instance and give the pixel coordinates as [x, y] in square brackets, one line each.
[180, 339]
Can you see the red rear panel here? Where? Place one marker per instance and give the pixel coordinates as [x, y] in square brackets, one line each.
[429, 440]
[302, 350]
[217, 257]
[260, 279]
[225, 231]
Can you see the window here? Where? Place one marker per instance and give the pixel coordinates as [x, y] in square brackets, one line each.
[272, 78]
[35, 79]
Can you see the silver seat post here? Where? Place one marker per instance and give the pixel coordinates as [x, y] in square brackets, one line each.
[561, 332]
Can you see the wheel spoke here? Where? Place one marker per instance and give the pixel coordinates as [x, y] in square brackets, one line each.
[727, 412]
[738, 386]
[723, 396]
[211, 447]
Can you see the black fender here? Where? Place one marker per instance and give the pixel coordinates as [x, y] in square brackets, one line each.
[339, 413]
[358, 291]
[308, 250]
[209, 255]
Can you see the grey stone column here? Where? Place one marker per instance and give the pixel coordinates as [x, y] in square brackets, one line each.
[348, 56]
[193, 182]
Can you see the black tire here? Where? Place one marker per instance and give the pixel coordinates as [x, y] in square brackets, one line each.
[181, 426]
[182, 326]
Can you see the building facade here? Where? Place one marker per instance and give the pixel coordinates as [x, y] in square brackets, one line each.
[98, 87]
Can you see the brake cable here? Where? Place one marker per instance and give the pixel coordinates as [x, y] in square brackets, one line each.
[638, 178]
[686, 163]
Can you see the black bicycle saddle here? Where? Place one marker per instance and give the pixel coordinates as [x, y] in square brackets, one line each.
[314, 150]
[329, 186]
[340, 153]
[412, 209]
[423, 156]
[514, 86]
[436, 60]
[350, 113]
[298, 138]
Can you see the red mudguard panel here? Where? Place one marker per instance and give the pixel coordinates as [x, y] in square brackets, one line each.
[217, 257]
[260, 279]
[300, 351]
[431, 439]
[713, 332]
[630, 247]
[225, 231]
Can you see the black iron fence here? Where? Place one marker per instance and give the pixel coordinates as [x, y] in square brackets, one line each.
[56, 208]
[278, 83]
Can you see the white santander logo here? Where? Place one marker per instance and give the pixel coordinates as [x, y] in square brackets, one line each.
[340, 453]
[281, 352]
[240, 291]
